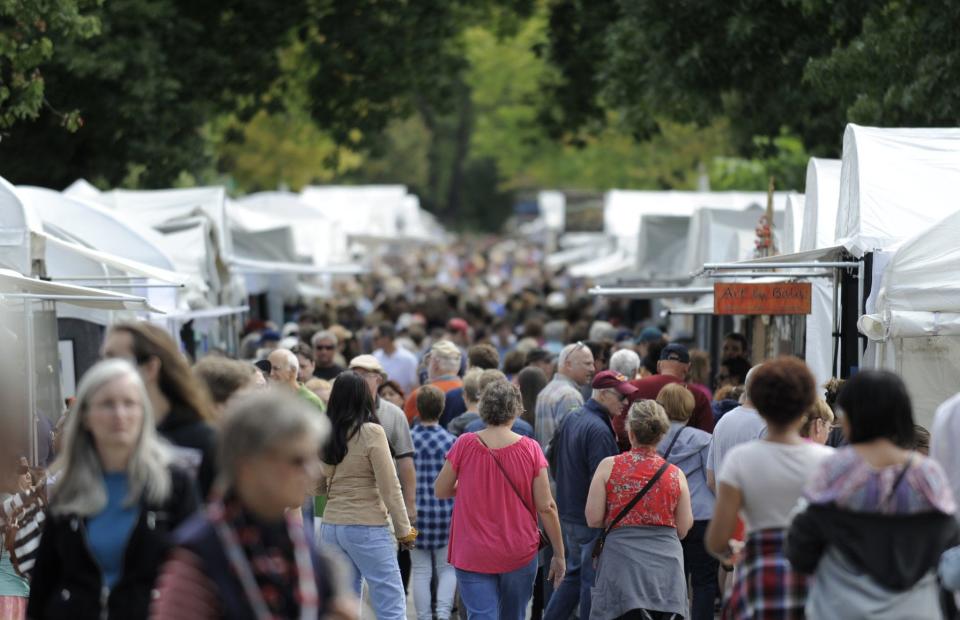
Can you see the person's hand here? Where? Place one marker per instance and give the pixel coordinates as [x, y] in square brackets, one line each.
[558, 568]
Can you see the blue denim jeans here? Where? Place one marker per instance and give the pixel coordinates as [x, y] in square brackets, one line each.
[578, 543]
[372, 551]
[497, 597]
[702, 569]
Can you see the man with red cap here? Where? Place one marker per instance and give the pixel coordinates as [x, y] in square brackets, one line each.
[585, 438]
[671, 368]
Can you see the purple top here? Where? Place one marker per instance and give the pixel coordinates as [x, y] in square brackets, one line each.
[848, 481]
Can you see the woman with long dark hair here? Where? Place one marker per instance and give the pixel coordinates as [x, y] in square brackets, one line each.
[182, 408]
[360, 480]
[879, 515]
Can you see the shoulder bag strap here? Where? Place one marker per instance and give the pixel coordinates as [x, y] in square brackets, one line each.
[673, 441]
[896, 483]
[504, 472]
[636, 498]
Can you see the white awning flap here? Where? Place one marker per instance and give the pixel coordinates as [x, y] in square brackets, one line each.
[16, 286]
[126, 265]
[909, 324]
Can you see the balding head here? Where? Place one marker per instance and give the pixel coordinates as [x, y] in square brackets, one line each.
[284, 367]
[576, 363]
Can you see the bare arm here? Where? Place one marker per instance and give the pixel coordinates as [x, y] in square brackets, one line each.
[445, 486]
[684, 513]
[596, 511]
[408, 485]
[724, 522]
[711, 481]
[547, 508]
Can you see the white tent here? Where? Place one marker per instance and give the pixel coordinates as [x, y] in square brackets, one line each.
[369, 211]
[821, 201]
[316, 236]
[793, 223]
[725, 235]
[553, 209]
[917, 317]
[894, 183]
[662, 247]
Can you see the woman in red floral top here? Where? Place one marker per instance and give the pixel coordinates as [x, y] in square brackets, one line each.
[640, 572]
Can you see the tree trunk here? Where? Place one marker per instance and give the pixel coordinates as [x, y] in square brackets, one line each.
[461, 148]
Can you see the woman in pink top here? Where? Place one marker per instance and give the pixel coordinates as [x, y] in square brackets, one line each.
[499, 480]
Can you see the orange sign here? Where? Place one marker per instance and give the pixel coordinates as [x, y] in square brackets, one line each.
[767, 298]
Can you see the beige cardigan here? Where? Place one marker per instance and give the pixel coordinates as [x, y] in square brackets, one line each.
[364, 487]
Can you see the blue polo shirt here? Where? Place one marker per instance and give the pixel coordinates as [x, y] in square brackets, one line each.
[585, 438]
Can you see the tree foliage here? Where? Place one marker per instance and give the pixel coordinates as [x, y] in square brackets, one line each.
[27, 34]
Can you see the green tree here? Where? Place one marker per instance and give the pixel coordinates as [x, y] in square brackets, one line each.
[26, 43]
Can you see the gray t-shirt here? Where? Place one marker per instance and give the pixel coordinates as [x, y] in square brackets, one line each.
[737, 426]
[394, 424]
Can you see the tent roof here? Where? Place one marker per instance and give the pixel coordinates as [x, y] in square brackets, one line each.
[820, 205]
[718, 235]
[894, 183]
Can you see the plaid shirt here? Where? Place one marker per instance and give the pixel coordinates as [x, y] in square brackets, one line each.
[431, 444]
[766, 585]
[555, 401]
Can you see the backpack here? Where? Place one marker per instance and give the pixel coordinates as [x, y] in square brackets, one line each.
[21, 523]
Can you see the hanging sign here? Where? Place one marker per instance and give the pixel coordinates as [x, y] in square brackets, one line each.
[767, 298]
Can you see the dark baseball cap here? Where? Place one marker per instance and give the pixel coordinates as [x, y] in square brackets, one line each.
[264, 365]
[610, 379]
[675, 353]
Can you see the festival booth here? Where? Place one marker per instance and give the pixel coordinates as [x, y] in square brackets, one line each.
[195, 233]
[37, 356]
[898, 205]
[793, 223]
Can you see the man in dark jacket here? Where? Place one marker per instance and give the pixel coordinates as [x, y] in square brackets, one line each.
[584, 438]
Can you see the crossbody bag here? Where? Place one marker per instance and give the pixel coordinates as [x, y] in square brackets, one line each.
[598, 546]
[544, 541]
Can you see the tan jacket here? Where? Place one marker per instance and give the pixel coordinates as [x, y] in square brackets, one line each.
[363, 488]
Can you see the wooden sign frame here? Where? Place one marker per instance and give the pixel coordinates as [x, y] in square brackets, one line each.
[771, 298]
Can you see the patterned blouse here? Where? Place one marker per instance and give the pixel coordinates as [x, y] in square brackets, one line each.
[848, 481]
[631, 471]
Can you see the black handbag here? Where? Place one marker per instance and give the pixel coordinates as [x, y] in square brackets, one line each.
[544, 541]
[598, 546]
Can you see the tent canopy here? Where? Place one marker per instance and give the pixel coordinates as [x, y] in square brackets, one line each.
[820, 204]
[793, 223]
[895, 183]
[719, 235]
[16, 286]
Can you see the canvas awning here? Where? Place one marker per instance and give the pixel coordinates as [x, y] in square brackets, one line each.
[16, 286]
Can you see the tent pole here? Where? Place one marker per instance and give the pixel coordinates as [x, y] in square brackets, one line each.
[861, 272]
[835, 336]
[31, 382]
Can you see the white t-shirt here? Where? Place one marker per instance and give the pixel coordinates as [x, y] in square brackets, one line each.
[771, 476]
[739, 425]
[401, 367]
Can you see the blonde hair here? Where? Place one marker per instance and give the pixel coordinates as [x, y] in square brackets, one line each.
[648, 422]
[80, 489]
[677, 401]
[820, 410]
[699, 371]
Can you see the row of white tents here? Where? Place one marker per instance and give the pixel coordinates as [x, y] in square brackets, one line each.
[72, 262]
[888, 211]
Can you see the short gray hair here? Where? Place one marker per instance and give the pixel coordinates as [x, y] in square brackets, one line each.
[324, 335]
[258, 422]
[292, 361]
[568, 350]
[747, 381]
[500, 403]
[626, 362]
[80, 489]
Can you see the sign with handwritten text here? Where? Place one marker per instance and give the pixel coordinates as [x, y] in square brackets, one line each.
[767, 298]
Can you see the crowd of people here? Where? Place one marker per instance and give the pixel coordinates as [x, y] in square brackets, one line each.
[490, 449]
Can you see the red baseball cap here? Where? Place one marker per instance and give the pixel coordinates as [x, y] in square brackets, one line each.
[609, 379]
[458, 325]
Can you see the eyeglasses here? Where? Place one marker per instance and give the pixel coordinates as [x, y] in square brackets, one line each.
[324, 347]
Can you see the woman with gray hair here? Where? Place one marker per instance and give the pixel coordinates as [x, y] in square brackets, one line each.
[246, 556]
[643, 504]
[500, 483]
[114, 506]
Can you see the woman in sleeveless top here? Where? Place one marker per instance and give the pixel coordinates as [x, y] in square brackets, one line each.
[640, 570]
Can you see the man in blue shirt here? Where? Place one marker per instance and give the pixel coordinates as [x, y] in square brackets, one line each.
[584, 439]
